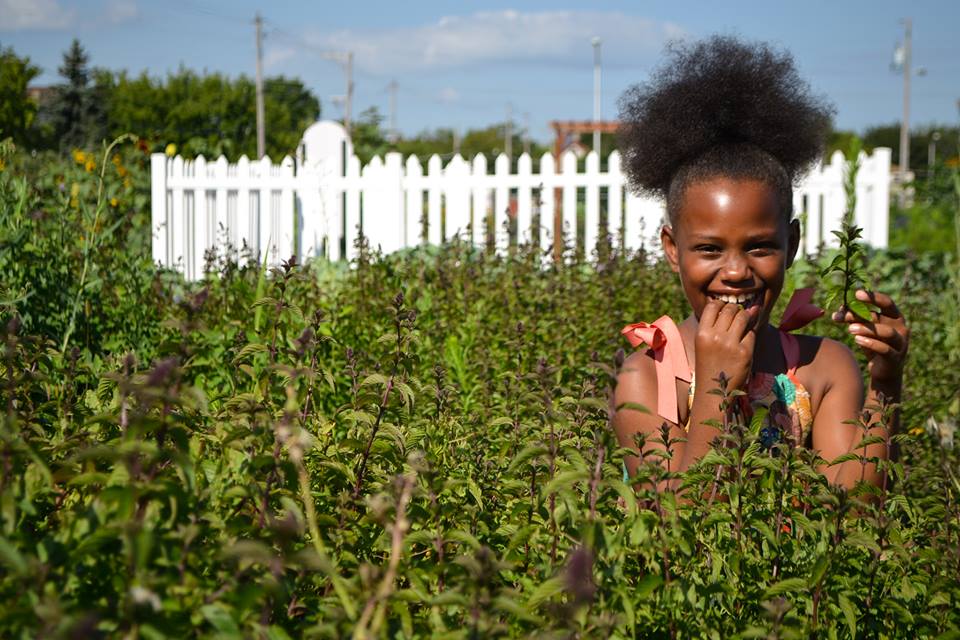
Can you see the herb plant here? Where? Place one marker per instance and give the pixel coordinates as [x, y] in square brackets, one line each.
[414, 446]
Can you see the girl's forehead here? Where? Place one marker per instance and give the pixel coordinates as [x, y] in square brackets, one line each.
[730, 207]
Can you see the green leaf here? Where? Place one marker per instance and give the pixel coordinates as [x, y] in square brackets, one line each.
[647, 585]
[220, 619]
[12, 558]
[849, 614]
[789, 585]
[548, 589]
[860, 308]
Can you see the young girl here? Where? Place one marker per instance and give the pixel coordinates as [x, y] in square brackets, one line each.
[721, 133]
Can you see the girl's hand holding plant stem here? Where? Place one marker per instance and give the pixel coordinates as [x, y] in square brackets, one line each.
[884, 339]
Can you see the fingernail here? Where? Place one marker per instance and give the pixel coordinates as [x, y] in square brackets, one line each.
[856, 328]
[860, 340]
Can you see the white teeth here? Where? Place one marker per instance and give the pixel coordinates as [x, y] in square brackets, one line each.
[746, 300]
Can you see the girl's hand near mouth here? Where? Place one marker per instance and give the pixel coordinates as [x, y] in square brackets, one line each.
[724, 344]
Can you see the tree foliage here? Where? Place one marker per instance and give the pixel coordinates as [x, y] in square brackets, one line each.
[17, 110]
[208, 114]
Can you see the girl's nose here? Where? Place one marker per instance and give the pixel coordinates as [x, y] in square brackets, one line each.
[736, 269]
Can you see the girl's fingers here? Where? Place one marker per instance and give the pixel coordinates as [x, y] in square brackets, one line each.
[726, 316]
[881, 300]
[882, 332]
[739, 324]
[877, 346]
[708, 317]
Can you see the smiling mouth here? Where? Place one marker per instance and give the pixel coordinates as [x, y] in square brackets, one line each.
[744, 299]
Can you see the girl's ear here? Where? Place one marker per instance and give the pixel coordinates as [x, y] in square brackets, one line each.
[793, 244]
[669, 244]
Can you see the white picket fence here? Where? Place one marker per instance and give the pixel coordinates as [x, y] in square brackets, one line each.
[318, 204]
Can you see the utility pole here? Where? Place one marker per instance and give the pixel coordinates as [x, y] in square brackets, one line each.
[348, 101]
[508, 133]
[932, 155]
[456, 141]
[261, 133]
[526, 132]
[596, 93]
[905, 124]
[392, 87]
[346, 59]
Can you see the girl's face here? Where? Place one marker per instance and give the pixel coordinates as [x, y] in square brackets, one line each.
[731, 242]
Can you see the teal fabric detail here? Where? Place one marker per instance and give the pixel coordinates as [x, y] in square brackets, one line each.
[784, 389]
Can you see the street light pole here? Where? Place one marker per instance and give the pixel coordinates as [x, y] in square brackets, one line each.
[596, 94]
[905, 124]
[261, 119]
[932, 154]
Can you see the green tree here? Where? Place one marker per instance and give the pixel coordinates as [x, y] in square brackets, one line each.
[368, 137]
[77, 112]
[208, 114]
[920, 139]
[17, 110]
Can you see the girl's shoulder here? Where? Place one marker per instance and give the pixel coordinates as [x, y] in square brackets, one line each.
[824, 364]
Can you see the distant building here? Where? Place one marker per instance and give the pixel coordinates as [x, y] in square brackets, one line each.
[41, 94]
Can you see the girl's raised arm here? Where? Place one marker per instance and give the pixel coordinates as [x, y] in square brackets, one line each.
[884, 339]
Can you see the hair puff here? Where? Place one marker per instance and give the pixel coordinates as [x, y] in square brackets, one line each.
[719, 95]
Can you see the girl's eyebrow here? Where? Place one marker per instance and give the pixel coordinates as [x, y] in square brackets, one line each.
[756, 237]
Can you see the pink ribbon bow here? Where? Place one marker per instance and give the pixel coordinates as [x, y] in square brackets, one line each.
[800, 311]
[669, 357]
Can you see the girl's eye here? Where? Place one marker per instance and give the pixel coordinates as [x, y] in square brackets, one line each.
[708, 248]
[763, 249]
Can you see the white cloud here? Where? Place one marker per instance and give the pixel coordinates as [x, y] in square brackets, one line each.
[275, 56]
[500, 36]
[34, 14]
[118, 11]
[448, 95]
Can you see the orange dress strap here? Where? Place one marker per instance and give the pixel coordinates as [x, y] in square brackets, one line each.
[669, 357]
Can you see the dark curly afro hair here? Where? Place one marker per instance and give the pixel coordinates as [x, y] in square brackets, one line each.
[721, 107]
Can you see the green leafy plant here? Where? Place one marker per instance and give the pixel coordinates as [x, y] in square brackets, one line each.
[416, 445]
[847, 270]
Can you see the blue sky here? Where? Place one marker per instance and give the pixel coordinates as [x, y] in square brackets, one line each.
[460, 64]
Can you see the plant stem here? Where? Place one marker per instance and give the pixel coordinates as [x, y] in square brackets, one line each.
[88, 243]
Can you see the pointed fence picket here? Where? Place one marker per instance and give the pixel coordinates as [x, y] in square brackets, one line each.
[320, 208]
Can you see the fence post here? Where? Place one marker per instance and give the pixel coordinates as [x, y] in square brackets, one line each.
[175, 219]
[478, 217]
[285, 214]
[614, 198]
[524, 199]
[413, 212]
[434, 193]
[456, 178]
[547, 202]
[201, 226]
[591, 219]
[349, 227]
[159, 226]
[501, 202]
[569, 166]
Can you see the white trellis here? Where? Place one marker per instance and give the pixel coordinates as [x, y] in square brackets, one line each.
[318, 204]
